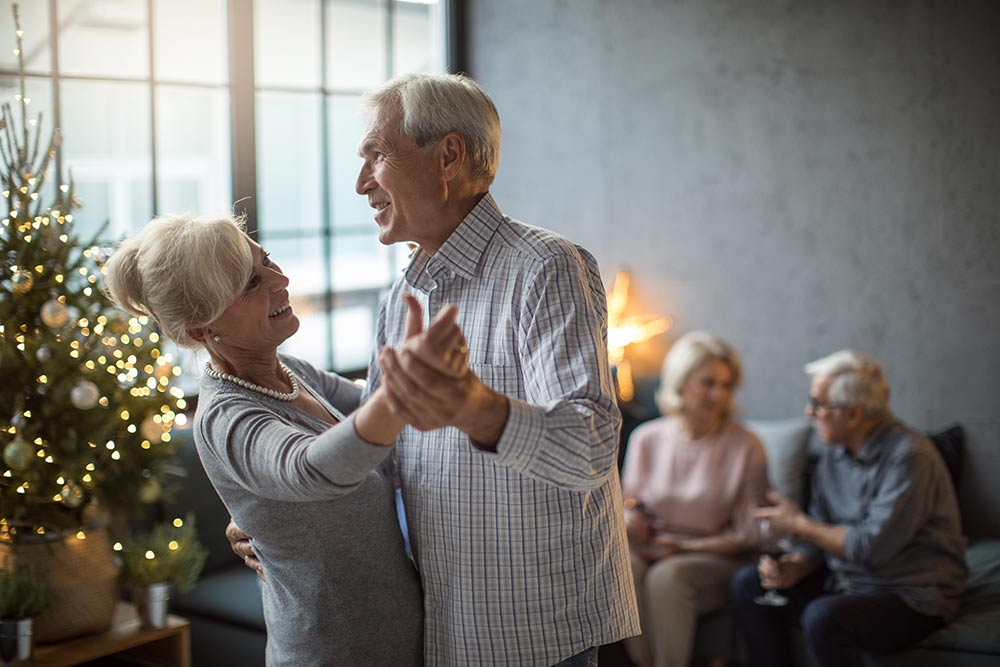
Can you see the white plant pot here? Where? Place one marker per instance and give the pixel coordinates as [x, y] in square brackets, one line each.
[151, 602]
[16, 641]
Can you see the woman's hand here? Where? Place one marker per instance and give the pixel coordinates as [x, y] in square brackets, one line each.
[440, 349]
[636, 524]
[660, 547]
[429, 385]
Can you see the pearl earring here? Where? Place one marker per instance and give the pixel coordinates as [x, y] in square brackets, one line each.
[217, 339]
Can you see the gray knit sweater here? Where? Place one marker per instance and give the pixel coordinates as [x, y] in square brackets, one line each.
[318, 502]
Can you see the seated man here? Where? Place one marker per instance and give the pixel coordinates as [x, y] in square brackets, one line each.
[883, 516]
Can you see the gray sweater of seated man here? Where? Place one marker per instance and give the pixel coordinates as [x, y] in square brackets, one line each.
[904, 534]
[339, 588]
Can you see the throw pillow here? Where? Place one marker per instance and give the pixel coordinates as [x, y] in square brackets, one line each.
[950, 444]
[786, 446]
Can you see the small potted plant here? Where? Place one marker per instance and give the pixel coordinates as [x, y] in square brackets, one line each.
[24, 596]
[168, 556]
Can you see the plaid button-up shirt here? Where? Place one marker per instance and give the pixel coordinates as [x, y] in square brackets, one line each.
[522, 553]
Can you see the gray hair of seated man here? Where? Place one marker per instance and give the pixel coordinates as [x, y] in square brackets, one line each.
[686, 354]
[434, 105]
[857, 380]
[182, 270]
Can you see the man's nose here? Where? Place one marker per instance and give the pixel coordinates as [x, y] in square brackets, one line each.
[364, 182]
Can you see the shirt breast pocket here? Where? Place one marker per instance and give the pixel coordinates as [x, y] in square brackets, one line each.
[504, 377]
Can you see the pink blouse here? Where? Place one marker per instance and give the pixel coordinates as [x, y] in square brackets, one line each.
[696, 488]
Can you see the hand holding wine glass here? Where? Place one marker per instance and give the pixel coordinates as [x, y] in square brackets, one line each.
[772, 548]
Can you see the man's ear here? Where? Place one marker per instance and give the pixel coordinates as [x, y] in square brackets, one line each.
[452, 155]
[855, 414]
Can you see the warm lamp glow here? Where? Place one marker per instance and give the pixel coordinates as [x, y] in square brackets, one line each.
[624, 331]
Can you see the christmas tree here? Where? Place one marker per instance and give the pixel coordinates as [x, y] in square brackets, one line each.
[87, 401]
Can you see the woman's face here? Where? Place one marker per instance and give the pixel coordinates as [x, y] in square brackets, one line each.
[708, 391]
[260, 318]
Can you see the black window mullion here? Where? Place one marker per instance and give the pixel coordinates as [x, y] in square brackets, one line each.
[456, 59]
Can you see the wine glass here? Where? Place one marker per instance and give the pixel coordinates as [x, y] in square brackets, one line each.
[772, 545]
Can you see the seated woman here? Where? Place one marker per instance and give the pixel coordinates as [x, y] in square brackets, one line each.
[690, 481]
[287, 447]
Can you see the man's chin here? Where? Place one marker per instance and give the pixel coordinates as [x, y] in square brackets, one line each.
[385, 235]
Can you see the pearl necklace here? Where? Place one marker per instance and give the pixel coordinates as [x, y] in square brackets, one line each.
[246, 384]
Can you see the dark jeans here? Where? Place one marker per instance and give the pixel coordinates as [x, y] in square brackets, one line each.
[586, 658]
[837, 628]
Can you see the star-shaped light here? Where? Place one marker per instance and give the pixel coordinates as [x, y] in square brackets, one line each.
[625, 331]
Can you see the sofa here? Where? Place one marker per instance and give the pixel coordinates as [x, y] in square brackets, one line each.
[227, 618]
[224, 608]
[792, 447]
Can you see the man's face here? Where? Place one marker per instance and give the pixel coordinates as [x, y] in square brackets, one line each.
[831, 421]
[400, 179]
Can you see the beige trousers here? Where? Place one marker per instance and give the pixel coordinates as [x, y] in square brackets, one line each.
[672, 592]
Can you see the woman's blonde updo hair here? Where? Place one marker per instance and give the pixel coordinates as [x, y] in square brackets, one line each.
[688, 353]
[181, 270]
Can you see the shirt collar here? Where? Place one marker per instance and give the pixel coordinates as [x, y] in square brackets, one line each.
[872, 448]
[462, 252]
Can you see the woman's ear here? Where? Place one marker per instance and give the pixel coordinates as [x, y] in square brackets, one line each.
[199, 334]
[452, 155]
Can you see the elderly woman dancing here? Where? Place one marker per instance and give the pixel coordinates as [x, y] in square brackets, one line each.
[286, 445]
[691, 480]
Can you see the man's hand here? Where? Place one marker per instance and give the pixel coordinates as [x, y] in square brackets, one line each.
[239, 542]
[443, 346]
[429, 385]
[784, 515]
[784, 572]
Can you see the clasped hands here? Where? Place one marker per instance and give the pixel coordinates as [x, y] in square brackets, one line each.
[427, 381]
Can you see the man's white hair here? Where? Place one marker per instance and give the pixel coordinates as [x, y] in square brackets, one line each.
[857, 379]
[434, 105]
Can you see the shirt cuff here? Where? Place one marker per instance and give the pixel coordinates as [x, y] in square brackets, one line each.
[852, 544]
[524, 430]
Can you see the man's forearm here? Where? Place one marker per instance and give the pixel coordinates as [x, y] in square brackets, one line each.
[826, 537]
[485, 420]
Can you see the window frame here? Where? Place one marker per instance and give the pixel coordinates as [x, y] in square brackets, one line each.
[242, 90]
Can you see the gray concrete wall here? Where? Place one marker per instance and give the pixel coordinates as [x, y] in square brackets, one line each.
[798, 176]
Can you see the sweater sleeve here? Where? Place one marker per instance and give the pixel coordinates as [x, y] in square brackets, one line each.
[240, 439]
